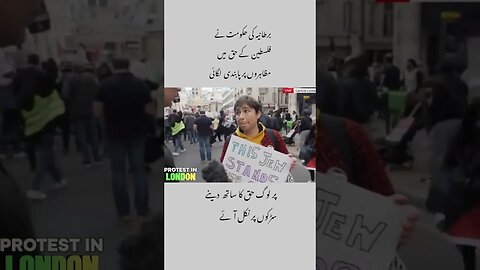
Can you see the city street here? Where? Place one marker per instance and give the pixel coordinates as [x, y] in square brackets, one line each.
[191, 157]
[85, 207]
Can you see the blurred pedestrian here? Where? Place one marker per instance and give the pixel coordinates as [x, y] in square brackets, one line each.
[81, 87]
[413, 77]
[125, 102]
[277, 121]
[169, 97]
[390, 74]
[204, 127]
[177, 127]
[66, 69]
[357, 95]
[41, 105]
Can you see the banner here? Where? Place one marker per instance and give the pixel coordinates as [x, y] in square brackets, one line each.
[250, 163]
[356, 229]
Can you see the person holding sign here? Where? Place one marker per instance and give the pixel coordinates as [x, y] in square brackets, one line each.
[248, 112]
[344, 145]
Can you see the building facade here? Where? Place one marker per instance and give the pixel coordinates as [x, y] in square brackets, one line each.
[132, 29]
[429, 32]
[352, 27]
[228, 101]
[265, 95]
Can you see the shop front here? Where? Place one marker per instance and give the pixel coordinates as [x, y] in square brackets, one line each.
[449, 28]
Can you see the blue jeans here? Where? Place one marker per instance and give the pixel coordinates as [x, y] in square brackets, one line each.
[178, 142]
[192, 135]
[87, 135]
[46, 160]
[204, 143]
[133, 150]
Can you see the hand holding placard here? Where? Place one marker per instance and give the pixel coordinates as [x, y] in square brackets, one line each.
[248, 162]
[356, 229]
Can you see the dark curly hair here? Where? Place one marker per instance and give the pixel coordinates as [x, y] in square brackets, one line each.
[249, 101]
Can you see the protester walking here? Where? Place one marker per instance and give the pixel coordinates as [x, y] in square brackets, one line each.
[184, 131]
[41, 106]
[66, 69]
[126, 103]
[177, 127]
[189, 123]
[220, 130]
[204, 128]
[81, 88]
[390, 79]
[304, 123]
[358, 96]
[277, 122]
[169, 96]
[413, 77]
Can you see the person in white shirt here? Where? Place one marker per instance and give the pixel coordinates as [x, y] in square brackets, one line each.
[413, 77]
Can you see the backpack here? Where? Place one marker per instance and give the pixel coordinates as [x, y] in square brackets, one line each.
[277, 123]
[359, 100]
[266, 121]
[307, 151]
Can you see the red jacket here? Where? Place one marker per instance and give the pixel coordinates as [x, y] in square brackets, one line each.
[370, 170]
[280, 144]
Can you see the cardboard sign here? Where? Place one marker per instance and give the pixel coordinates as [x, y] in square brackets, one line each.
[356, 229]
[247, 162]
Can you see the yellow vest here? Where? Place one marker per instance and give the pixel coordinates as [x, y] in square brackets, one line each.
[177, 128]
[45, 109]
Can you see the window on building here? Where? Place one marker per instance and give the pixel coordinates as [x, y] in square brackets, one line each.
[388, 20]
[347, 16]
[92, 3]
[261, 98]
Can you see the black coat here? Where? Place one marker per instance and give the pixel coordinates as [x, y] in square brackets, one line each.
[449, 99]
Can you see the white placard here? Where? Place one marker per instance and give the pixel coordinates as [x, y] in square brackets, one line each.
[356, 229]
[248, 162]
[267, 230]
[251, 43]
